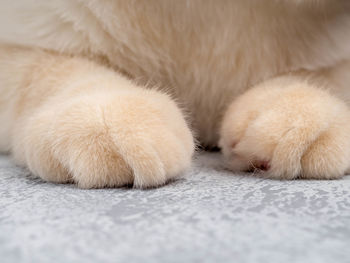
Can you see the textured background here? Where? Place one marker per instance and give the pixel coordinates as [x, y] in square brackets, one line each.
[211, 215]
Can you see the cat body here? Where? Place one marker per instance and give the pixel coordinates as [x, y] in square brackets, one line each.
[243, 74]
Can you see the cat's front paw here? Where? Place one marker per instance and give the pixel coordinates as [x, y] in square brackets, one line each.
[287, 129]
[107, 140]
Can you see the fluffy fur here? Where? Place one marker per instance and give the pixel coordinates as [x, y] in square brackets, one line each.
[89, 95]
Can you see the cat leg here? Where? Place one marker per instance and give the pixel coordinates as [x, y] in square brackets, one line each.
[76, 121]
[286, 128]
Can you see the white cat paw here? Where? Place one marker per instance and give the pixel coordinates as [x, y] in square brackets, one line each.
[286, 129]
[107, 140]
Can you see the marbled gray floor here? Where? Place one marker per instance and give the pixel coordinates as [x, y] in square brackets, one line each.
[209, 216]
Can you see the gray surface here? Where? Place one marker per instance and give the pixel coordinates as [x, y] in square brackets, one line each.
[210, 216]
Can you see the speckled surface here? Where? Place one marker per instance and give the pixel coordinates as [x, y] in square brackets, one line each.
[211, 215]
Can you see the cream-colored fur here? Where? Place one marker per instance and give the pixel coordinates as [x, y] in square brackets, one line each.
[88, 87]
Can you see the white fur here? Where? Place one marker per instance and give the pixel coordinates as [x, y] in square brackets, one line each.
[203, 53]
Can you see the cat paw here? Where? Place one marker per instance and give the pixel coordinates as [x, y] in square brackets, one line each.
[287, 129]
[107, 140]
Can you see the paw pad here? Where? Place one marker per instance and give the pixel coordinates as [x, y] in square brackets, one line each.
[262, 165]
